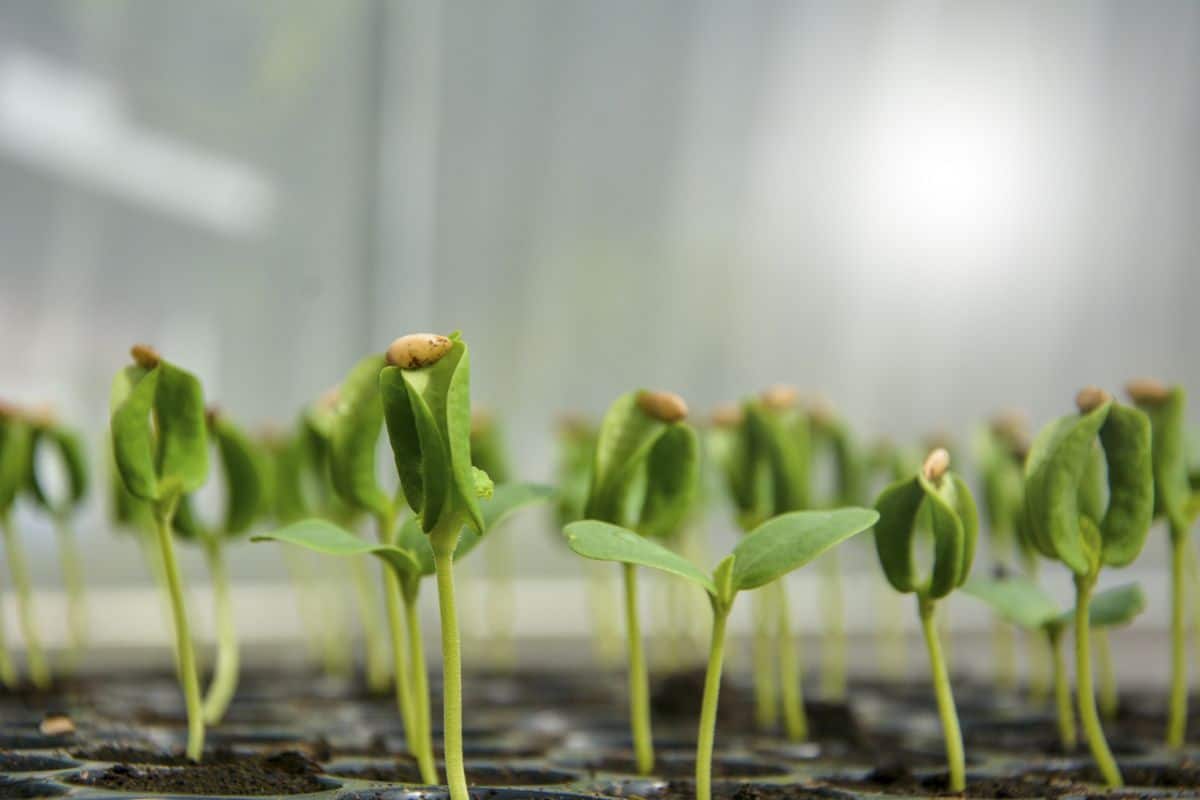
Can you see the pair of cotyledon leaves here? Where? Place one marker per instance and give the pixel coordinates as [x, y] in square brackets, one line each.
[771, 550]
[1066, 517]
[20, 440]
[1173, 495]
[1023, 603]
[765, 460]
[242, 467]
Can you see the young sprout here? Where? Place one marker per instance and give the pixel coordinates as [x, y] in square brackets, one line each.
[16, 441]
[762, 557]
[1175, 501]
[1068, 520]
[241, 466]
[1022, 602]
[645, 445]
[160, 445]
[68, 446]
[946, 503]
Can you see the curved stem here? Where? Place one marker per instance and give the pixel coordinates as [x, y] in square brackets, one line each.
[225, 676]
[955, 760]
[374, 648]
[444, 543]
[72, 570]
[404, 694]
[1067, 735]
[1177, 713]
[419, 686]
[639, 680]
[766, 706]
[708, 706]
[39, 670]
[795, 721]
[185, 655]
[1085, 694]
[833, 646]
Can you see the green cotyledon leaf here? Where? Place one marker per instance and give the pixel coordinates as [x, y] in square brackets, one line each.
[781, 440]
[672, 472]
[1112, 607]
[789, 541]
[1127, 439]
[241, 473]
[603, 541]
[1172, 491]
[16, 442]
[952, 520]
[626, 435]
[323, 536]
[68, 446]
[834, 435]
[354, 428]
[1017, 600]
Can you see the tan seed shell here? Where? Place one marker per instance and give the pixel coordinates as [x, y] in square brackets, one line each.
[936, 464]
[1148, 390]
[662, 406]
[729, 416]
[145, 356]
[417, 350]
[1089, 398]
[56, 725]
[779, 397]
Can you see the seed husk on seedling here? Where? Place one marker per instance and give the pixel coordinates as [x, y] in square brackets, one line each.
[67, 445]
[1067, 518]
[1177, 503]
[1022, 602]
[242, 467]
[645, 445]
[946, 502]
[159, 463]
[763, 556]
[16, 450]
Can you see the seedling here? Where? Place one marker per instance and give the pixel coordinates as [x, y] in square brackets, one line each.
[946, 504]
[160, 445]
[16, 443]
[68, 445]
[242, 467]
[1177, 503]
[762, 557]
[1022, 602]
[1068, 520]
[644, 449]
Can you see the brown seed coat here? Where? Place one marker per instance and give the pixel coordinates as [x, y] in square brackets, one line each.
[417, 350]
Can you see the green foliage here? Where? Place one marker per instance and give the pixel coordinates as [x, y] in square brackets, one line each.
[70, 448]
[242, 467]
[832, 434]
[577, 450]
[161, 460]
[953, 522]
[1173, 497]
[323, 536]
[1023, 603]
[354, 428]
[16, 449]
[781, 439]
[488, 452]
[1065, 519]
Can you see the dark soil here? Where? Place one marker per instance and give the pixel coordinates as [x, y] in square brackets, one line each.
[676, 698]
[283, 773]
[1021, 737]
[29, 762]
[477, 774]
[686, 790]
[22, 788]
[900, 780]
[1182, 775]
[138, 754]
[685, 767]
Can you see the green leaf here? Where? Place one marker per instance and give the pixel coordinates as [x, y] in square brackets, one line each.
[1172, 491]
[626, 436]
[241, 472]
[1017, 600]
[898, 505]
[1114, 607]
[488, 452]
[791, 540]
[1127, 441]
[353, 436]
[602, 541]
[415, 542]
[182, 455]
[952, 520]
[70, 448]
[506, 500]
[781, 439]
[672, 472]
[16, 443]
[132, 434]
[849, 464]
[322, 536]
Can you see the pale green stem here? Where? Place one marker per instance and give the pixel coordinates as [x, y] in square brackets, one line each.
[1067, 734]
[833, 650]
[185, 655]
[708, 706]
[766, 703]
[955, 759]
[39, 670]
[225, 676]
[444, 539]
[500, 605]
[8, 670]
[1107, 692]
[639, 680]
[421, 731]
[1041, 668]
[374, 648]
[1177, 714]
[1085, 694]
[404, 694]
[795, 721]
[72, 570]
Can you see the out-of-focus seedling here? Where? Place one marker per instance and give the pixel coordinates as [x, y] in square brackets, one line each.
[1068, 520]
[160, 444]
[948, 507]
[16, 443]
[1022, 602]
[489, 453]
[763, 556]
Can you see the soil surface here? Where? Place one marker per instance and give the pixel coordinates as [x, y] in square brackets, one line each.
[283, 773]
[900, 780]
[678, 767]
[1180, 775]
[477, 774]
[686, 790]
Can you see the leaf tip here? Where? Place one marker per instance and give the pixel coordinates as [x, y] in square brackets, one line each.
[665, 407]
[417, 350]
[145, 356]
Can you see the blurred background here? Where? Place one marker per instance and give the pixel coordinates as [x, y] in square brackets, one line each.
[925, 211]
